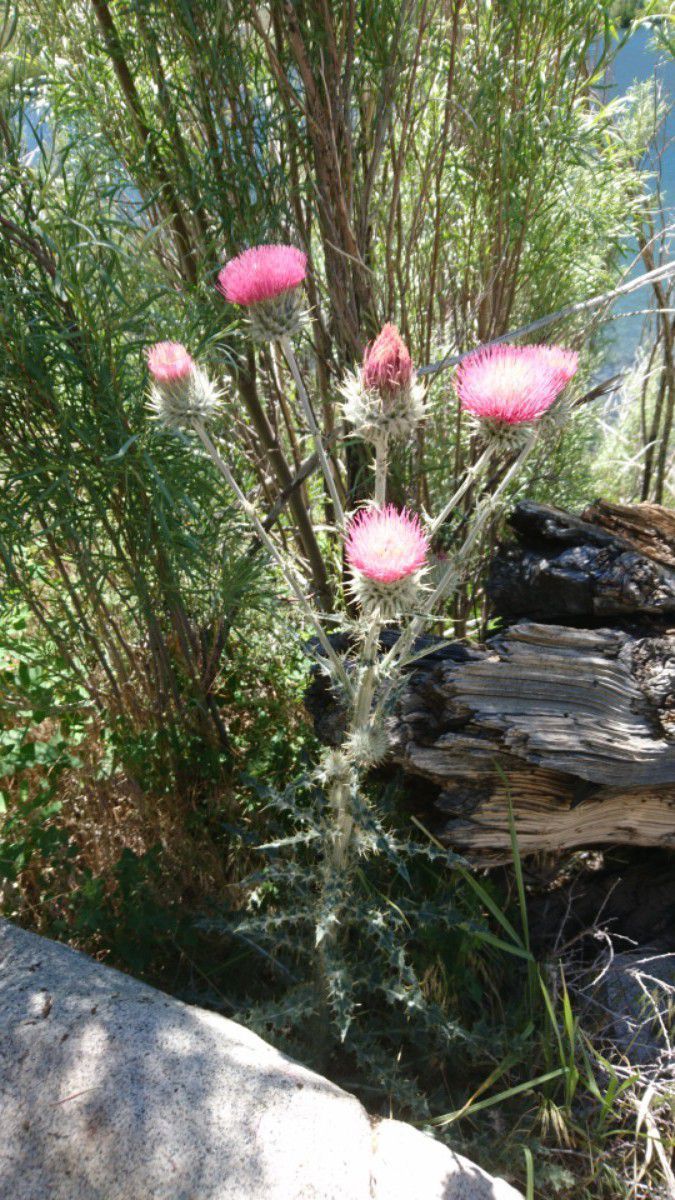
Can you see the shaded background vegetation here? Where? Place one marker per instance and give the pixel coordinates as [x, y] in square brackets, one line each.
[457, 167]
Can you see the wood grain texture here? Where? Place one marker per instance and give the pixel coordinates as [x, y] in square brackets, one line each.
[567, 723]
[649, 528]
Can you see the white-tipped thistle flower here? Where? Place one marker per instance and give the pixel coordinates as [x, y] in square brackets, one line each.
[509, 389]
[266, 280]
[180, 392]
[384, 397]
[386, 551]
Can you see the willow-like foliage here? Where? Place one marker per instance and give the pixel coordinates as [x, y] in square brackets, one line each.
[114, 538]
[445, 163]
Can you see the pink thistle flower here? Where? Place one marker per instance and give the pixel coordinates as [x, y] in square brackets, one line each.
[510, 385]
[180, 391]
[386, 545]
[387, 365]
[169, 362]
[565, 361]
[262, 273]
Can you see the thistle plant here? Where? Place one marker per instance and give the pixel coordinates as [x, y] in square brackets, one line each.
[510, 392]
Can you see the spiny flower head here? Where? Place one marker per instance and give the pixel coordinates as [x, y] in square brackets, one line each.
[334, 767]
[368, 746]
[169, 362]
[262, 273]
[386, 545]
[181, 392]
[266, 279]
[386, 550]
[511, 385]
[387, 364]
[383, 397]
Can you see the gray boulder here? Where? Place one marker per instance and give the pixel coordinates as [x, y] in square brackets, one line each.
[638, 989]
[110, 1090]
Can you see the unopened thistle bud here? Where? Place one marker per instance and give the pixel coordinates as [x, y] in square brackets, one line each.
[508, 389]
[367, 747]
[180, 391]
[267, 280]
[334, 767]
[383, 396]
[386, 550]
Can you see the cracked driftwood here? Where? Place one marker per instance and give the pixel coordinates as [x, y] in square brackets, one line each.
[564, 722]
[569, 717]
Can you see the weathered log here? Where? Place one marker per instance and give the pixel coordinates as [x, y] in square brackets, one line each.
[574, 728]
[629, 889]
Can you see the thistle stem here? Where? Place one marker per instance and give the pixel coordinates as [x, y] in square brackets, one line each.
[469, 478]
[286, 570]
[343, 825]
[289, 354]
[381, 465]
[484, 510]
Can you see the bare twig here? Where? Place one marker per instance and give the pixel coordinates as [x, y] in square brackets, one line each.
[661, 273]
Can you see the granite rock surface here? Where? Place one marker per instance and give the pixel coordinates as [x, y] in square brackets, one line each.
[111, 1090]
